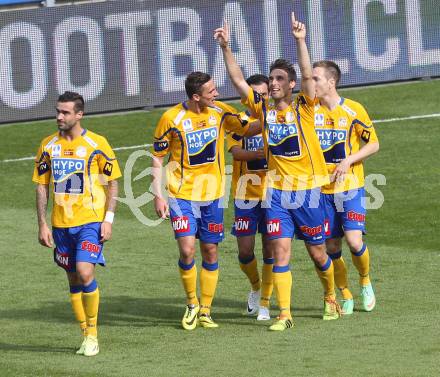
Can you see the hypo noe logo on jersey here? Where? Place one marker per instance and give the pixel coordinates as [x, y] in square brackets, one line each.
[284, 140]
[332, 144]
[252, 144]
[201, 146]
[68, 175]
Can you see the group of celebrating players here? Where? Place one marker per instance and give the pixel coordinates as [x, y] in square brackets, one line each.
[297, 172]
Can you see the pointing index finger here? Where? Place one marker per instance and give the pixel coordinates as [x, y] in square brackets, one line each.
[293, 17]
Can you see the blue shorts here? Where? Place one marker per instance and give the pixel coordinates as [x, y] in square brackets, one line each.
[249, 217]
[344, 211]
[78, 244]
[202, 219]
[298, 213]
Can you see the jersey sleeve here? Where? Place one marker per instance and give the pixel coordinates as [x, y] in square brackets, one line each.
[255, 103]
[234, 121]
[363, 126]
[305, 106]
[233, 140]
[108, 165]
[42, 170]
[162, 137]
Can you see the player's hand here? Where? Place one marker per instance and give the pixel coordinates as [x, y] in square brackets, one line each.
[298, 28]
[259, 154]
[45, 236]
[106, 231]
[161, 207]
[340, 171]
[221, 35]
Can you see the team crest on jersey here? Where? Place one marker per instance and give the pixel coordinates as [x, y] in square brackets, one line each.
[68, 175]
[212, 121]
[252, 144]
[342, 122]
[201, 146]
[56, 150]
[81, 151]
[332, 144]
[272, 116]
[283, 140]
[289, 117]
[319, 120]
[187, 125]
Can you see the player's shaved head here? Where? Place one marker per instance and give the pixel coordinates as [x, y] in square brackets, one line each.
[332, 70]
[286, 66]
[76, 98]
[194, 82]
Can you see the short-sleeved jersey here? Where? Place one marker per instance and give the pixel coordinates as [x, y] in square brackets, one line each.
[195, 142]
[294, 156]
[78, 171]
[341, 132]
[248, 177]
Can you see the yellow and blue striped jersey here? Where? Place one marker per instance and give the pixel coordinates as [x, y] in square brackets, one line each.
[341, 132]
[195, 142]
[78, 171]
[294, 156]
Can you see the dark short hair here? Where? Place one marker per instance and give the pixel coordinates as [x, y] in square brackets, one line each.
[73, 97]
[331, 68]
[194, 82]
[257, 79]
[285, 66]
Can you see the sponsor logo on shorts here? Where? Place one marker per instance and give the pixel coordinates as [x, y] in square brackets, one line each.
[242, 225]
[326, 227]
[180, 224]
[215, 228]
[274, 227]
[62, 259]
[355, 216]
[311, 230]
[90, 247]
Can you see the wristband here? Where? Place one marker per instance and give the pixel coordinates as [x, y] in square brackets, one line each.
[109, 216]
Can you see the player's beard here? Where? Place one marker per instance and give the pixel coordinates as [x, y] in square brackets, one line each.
[65, 127]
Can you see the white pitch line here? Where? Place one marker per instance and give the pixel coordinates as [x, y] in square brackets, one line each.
[149, 145]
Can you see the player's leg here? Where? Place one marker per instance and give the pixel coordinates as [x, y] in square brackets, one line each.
[309, 226]
[280, 230]
[210, 233]
[266, 280]
[354, 227]
[76, 290]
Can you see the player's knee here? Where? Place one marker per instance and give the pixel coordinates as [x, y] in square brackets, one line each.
[333, 246]
[355, 244]
[318, 254]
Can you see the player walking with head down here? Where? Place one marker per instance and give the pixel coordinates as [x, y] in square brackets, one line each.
[192, 133]
[295, 157]
[347, 138]
[79, 164]
[248, 189]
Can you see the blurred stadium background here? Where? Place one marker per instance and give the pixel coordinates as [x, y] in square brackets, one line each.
[126, 55]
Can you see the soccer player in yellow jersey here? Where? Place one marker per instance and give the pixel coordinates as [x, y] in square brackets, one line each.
[347, 138]
[192, 133]
[82, 169]
[296, 169]
[248, 188]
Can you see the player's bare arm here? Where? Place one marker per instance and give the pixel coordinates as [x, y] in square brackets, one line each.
[160, 204]
[305, 66]
[106, 226]
[363, 153]
[221, 35]
[240, 154]
[44, 233]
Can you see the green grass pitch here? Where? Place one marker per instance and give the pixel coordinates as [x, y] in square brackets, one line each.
[142, 298]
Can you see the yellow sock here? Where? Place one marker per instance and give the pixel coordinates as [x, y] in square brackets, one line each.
[361, 260]
[250, 268]
[266, 282]
[78, 308]
[188, 274]
[327, 276]
[90, 299]
[340, 271]
[282, 284]
[208, 284]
